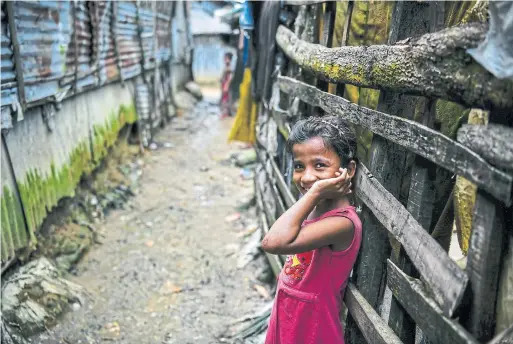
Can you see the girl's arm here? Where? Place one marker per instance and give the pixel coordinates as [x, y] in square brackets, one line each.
[286, 235]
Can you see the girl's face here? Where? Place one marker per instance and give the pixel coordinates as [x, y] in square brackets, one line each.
[313, 161]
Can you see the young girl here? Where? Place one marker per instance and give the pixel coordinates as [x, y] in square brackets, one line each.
[226, 79]
[321, 233]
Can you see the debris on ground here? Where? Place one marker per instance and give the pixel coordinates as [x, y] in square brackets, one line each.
[255, 329]
[248, 230]
[250, 250]
[110, 331]
[245, 203]
[34, 297]
[170, 288]
[246, 157]
[66, 244]
[194, 89]
[184, 100]
[247, 173]
[232, 218]
[262, 291]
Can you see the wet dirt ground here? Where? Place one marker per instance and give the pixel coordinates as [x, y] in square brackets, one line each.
[166, 271]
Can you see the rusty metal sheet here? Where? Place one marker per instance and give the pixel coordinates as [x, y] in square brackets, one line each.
[147, 22]
[104, 57]
[84, 43]
[163, 38]
[128, 39]
[9, 91]
[68, 46]
[44, 31]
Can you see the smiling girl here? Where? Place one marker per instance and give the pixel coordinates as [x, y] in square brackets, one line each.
[320, 233]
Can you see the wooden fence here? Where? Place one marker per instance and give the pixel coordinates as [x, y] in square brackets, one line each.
[433, 299]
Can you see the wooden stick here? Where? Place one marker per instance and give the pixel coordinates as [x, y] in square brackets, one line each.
[447, 281]
[493, 142]
[410, 292]
[417, 138]
[434, 65]
[370, 323]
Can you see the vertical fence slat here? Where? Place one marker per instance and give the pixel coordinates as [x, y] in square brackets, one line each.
[388, 163]
[328, 25]
[420, 205]
[421, 193]
[345, 36]
[483, 265]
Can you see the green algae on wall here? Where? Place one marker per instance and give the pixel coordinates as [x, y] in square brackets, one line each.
[14, 232]
[104, 136]
[40, 191]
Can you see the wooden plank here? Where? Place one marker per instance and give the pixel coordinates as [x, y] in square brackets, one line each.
[285, 199]
[274, 260]
[408, 19]
[410, 292]
[328, 25]
[368, 320]
[271, 216]
[288, 198]
[344, 40]
[304, 2]
[447, 281]
[492, 142]
[433, 65]
[483, 265]
[388, 163]
[279, 116]
[505, 337]
[263, 157]
[417, 138]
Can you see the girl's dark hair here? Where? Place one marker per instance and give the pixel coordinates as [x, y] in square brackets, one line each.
[333, 130]
[229, 55]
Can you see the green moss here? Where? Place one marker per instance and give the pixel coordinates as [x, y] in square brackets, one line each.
[40, 192]
[354, 74]
[127, 114]
[14, 232]
[450, 116]
[104, 136]
[386, 75]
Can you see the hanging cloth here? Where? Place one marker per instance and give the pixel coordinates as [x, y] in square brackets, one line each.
[243, 128]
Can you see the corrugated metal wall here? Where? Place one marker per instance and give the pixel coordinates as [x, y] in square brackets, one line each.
[58, 54]
[207, 62]
[65, 45]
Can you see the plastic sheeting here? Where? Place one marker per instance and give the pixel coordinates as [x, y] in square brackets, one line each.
[495, 54]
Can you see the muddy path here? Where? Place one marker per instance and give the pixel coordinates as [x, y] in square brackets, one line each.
[166, 271]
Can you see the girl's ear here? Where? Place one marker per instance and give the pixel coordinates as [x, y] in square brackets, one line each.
[351, 169]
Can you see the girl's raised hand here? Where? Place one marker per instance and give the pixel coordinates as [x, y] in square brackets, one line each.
[335, 187]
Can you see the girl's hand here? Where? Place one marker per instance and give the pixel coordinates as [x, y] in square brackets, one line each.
[333, 188]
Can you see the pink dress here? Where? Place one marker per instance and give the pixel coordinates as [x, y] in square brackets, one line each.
[310, 291]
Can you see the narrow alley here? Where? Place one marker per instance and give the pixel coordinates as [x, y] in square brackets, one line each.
[171, 269]
[250, 172]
